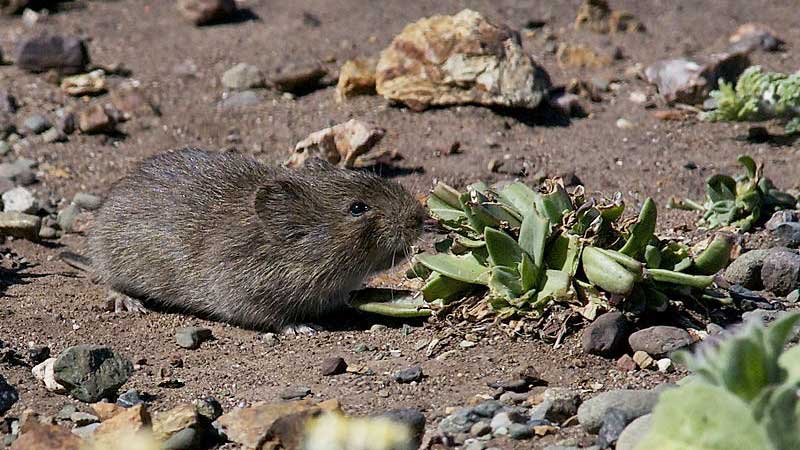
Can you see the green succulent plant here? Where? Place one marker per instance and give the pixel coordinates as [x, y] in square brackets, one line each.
[529, 248]
[738, 202]
[759, 96]
[743, 395]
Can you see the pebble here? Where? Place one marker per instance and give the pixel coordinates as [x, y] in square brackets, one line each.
[86, 431]
[634, 433]
[95, 119]
[295, 393]
[243, 76]
[473, 444]
[780, 217]
[81, 418]
[793, 296]
[505, 419]
[90, 372]
[66, 412]
[20, 171]
[519, 431]
[191, 337]
[458, 422]
[377, 328]
[480, 428]
[209, 408]
[558, 405]
[205, 12]
[665, 365]
[606, 335]
[333, 366]
[65, 54]
[66, 217]
[624, 124]
[299, 80]
[36, 124]
[488, 408]
[626, 363]
[642, 359]
[89, 202]
[408, 375]
[746, 269]
[787, 234]
[8, 396]
[614, 422]
[53, 135]
[46, 232]
[780, 273]
[130, 399]
[19, 200]
[239, 99]
[659, 341]
[632, 402]
[638, 97]
[270, 339]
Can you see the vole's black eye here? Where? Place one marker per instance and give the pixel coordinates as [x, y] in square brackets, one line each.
[358, 208]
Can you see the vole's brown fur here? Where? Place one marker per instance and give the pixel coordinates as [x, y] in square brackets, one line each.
[226, 237]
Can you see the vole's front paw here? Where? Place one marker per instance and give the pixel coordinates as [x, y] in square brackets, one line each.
[119, 302]
[298, 329]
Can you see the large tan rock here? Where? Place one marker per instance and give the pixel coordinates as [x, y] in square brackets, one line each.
[460, 59]
[340, 144]
[38, 436]
[268, 426]
[356, 77]
[130, 422]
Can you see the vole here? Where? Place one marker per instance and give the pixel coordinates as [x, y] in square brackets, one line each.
[226, 237]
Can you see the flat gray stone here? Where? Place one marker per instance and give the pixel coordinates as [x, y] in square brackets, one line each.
[633, 403]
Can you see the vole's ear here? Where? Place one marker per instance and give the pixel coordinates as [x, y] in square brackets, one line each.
[274, 201]
[317, 163]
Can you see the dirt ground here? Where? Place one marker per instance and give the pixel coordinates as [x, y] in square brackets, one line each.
[48, 304]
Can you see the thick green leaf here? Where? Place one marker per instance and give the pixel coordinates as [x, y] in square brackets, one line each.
[721, 187]
[790, 361]
[749, 165]
[444, 288]
[746, 367]
[529, 273]
[503, 249]
[781, 419]
[533, 234]
[446, 195]
[668, 276]
[521, 197]
[699, 416]
[715, 257]
[463, 268]
[555, 285]
[389, 302]
[554, 204]
[505, 282]
[779, 332]
[565, 253]
[642, 231]
[443, 211]
[652, 257]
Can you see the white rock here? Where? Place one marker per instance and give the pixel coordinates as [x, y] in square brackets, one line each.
[19, 199]
[44, 372]
[665, 365]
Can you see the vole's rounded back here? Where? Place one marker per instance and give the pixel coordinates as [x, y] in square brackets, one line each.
[226, 237]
